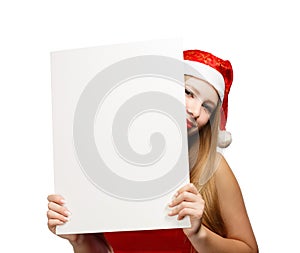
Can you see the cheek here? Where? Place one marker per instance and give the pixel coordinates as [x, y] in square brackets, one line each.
[202, 120]
[187, 102]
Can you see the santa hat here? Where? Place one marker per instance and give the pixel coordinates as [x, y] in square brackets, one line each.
[219, 74]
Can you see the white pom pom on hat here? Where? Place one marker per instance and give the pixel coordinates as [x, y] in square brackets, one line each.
[218, 73]
[224, 139]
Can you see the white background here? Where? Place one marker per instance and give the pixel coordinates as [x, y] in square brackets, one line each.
[261, 40]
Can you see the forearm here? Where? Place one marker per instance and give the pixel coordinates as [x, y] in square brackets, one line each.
[90, 244]
[206, 241]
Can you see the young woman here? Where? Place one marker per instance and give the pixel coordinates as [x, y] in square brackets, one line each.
[213, 200]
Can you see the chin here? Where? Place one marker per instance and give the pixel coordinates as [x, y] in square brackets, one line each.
[192, 132]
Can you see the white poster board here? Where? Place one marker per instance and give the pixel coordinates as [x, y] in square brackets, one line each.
[119, 128]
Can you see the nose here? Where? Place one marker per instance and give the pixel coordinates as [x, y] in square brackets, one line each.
[194, 109]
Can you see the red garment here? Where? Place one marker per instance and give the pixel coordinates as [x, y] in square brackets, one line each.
[147, 241]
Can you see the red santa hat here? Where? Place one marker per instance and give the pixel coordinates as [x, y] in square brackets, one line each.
[219, 74]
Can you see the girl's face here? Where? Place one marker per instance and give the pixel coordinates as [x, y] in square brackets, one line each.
[201, 99]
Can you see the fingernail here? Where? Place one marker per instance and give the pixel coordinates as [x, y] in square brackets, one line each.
[67, 213]
[63, 201]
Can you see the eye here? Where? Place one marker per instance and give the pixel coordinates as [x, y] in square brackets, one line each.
[208, 108]
[189, 92]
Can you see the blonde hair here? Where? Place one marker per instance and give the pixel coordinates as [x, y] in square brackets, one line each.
[202, 173]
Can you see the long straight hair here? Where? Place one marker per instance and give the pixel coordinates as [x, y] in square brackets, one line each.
[202, 173]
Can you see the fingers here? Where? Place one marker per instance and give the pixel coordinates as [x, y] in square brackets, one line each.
[189, 188]
[58, 209]
[57, 214]
[187, 193]
[52, 223]
[58, 199]
[194, 209]
[184, 196]
[52, 215]
[187, 201]
[189, 212]
[177, 209]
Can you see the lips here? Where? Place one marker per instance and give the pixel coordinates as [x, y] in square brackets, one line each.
[189, 124]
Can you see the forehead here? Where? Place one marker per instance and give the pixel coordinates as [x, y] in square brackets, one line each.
[202, 87]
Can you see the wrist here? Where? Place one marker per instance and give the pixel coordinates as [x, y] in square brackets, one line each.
[78, 241]
[199, 236]
[90, 243]
[194, 230]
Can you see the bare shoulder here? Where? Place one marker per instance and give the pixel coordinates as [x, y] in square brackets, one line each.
[228, 189]
[225, 178]
[232, 205]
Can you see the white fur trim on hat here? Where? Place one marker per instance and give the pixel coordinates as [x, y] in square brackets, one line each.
[207, 73]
